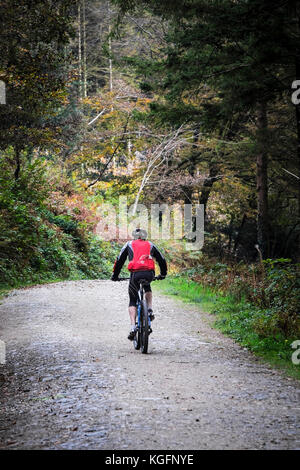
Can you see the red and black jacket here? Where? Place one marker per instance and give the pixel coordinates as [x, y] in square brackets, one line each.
[140, 254]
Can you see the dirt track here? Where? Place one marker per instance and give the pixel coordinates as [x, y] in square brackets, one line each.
[73, 380]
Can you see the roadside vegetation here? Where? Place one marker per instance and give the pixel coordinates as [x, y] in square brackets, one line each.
[258, 306]
[46, 230]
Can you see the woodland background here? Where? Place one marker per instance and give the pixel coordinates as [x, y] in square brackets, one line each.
[166, 102]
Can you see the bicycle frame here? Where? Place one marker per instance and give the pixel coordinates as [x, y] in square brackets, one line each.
[139, 305]
[143, 322]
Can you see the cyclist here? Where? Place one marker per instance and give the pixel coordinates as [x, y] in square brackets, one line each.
[140, 253]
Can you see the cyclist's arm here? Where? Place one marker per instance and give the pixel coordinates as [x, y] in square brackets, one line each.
[160, 259]
[120, 260]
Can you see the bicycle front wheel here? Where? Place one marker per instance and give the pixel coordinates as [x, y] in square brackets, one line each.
[144, 327]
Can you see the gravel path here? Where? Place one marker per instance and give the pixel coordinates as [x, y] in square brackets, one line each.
[73, 380]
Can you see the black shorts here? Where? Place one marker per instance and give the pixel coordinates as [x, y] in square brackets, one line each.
[134, 285]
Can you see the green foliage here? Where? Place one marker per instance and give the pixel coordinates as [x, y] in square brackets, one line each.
[255, 328]
[38, 245]
[20, 203]
[252, 328]
[272, 287]
[188, 290]
[282, 295]
[204, 67]
[218, 73]
[32, 64]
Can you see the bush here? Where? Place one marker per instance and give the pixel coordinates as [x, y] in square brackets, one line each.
[272, 286]
[36, 243]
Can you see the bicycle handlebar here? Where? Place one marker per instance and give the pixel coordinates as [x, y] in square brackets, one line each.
[156, 278]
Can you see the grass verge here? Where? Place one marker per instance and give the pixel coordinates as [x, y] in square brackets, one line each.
[239, 320]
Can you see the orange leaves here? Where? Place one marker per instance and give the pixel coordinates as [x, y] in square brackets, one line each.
[77, 208]
[73, 204]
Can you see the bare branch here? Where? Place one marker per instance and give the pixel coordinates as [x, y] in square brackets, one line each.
[97, 117]
[292, 174]
[158, 156]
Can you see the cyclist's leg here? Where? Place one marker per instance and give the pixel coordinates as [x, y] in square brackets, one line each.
[133, 295]
[148, 293]
[133, 289]
[132, 315]
[148, 296]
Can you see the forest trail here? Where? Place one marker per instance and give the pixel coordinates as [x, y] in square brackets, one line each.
[73, 380]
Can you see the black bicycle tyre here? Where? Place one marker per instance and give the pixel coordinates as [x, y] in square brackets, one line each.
[144, 327]
[137, 339]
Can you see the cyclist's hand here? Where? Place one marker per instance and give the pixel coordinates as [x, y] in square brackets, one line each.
[114, 278]
[160, 277]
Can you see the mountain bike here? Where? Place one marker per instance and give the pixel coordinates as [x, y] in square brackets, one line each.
[143, 322]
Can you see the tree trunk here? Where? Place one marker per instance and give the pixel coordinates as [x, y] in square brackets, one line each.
[298, 160]
[298, 132]
[189, 191]
[79, 52]
[110, 52]
[18, 163]
[239, 234]
[208, 184]
[84, 50]
[262, 181]
[110, 64]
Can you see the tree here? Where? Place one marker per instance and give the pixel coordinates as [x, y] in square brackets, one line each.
[33, 65]
[243, 52]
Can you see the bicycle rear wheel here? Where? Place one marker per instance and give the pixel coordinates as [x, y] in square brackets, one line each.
[137, 339]
[144, 327]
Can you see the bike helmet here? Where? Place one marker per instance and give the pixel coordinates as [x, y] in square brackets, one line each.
[139, 234]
